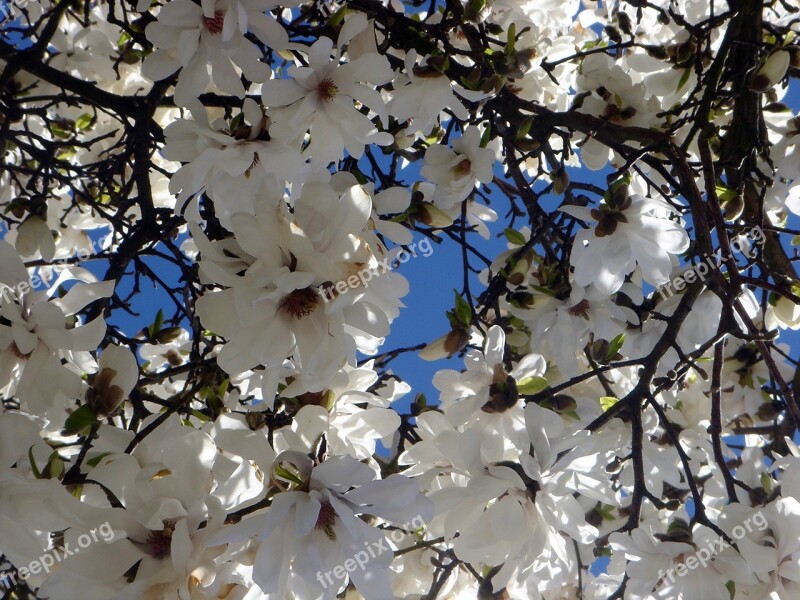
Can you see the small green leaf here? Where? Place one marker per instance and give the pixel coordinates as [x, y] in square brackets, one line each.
[606, 402]
[531, 385]
[155, 327]
[198, 415]
[514, 236]
[34, 468]
[684, 79]
[725, 194]
[511, 37]
[766, 483]
[614, 346]
[524, 128]
[95, 460]
[731, 587]
[54, 468]
[123, 39]
[287, 475]
[337, 18]
[544, 290]
[462, 311]
[85, 121]
[486, 137]
[59, 129]
[80, 421]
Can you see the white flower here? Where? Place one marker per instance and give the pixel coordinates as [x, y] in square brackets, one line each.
[314, 526]
[33, 331]
[299, 284]
[117, 374]
[486, 396]
[189, 37]
[232, 167]
[456, 171]
[321, 99]
[633, 230]
[425, 94]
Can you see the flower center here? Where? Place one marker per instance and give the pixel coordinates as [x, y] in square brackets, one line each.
[214, 24]
[326, 519]
[463, 167]
[327, 90]
[607, 220]
[161, 541]
[300, 303]
[581, 309]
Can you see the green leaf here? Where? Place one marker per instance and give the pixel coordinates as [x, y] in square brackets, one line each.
[155, 327]
[725, 194]
[123, 39]
[83, 122]
[606, 511]
[337, 18]
[487, 136]
[606, 402]
[766, 483]
[59, 129]
[614, 346]
[198, 415]
[511, 37]
[684, 79]
[36, 472]
[236, 122]
[54, 468]
[287, 475]
[514, 236]
[80, 421]
[544, 290]
[94, 461]
[531, 385]
[462, 311]
[731, 587]
[524, 128]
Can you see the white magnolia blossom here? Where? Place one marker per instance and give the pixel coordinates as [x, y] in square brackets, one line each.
[321, 98]
[34, 335]
[631, 231]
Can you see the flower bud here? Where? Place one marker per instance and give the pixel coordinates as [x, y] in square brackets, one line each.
[433, 216]
[771, 72]
[446, 346]
[104, 397]
[560, 181]
[733, 208]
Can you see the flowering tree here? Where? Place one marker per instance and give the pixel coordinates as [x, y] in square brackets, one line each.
[623, 425]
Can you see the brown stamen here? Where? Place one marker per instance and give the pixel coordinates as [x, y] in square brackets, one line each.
[326, 520]
[327, 90]
[214, 24]
[300, 303]
[581, 309]
[161, 541]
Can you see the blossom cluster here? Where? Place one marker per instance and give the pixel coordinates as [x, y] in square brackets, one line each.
[254, 168]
